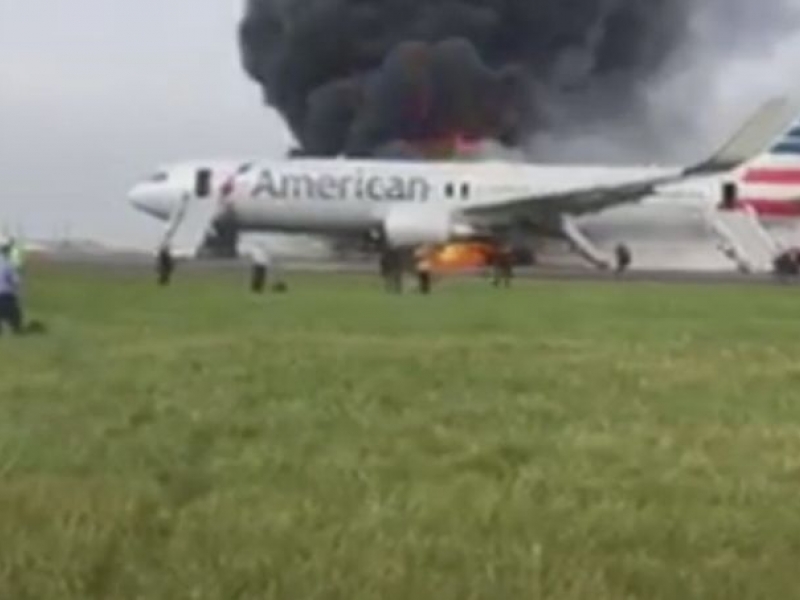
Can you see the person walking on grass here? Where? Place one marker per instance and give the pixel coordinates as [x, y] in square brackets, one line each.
[165, 265]
[10, 308]
[259, 269]
[503, 260]
[424, 265]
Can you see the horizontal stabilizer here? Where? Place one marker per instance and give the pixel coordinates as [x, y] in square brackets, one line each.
[772, 120]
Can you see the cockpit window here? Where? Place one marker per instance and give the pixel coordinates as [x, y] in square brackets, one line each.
[159, 177]
[244, 168]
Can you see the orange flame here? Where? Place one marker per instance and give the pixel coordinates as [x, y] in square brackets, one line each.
[458, 256]
[449, 146]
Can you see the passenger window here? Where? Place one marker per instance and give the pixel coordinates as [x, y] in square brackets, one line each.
[465, 191]
[449, 190]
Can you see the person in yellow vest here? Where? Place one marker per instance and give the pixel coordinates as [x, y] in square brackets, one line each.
[16, 254]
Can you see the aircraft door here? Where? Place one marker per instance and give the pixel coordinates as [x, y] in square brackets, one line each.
[202, 183]
[730, 195]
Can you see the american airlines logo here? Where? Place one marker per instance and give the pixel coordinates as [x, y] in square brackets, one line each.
[373, 188]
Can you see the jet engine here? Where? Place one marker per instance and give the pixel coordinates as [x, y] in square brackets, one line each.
[409, 226]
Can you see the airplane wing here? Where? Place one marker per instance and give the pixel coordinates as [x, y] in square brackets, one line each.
[574, 202]
[771, 120]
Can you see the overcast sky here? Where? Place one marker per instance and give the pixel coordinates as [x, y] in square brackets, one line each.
[95, 93]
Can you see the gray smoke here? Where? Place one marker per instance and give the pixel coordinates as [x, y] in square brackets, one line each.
[366, 77]
[733, 55]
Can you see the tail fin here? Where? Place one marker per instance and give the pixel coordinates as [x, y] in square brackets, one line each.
[772, 119]
[770, 183]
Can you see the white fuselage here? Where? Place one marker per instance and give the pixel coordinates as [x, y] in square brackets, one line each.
[320, 196]
[414, 203]
[343, 197]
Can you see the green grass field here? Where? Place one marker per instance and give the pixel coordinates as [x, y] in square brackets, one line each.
[559, 441]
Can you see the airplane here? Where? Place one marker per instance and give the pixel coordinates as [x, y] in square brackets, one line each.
[160, 194]
[753, 210]
[401, 205]
[752, 215]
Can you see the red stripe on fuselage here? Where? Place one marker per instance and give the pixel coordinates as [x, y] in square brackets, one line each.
[779, 176]
[772, 208]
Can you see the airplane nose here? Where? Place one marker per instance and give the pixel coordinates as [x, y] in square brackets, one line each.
[136, 198]
[146, 201]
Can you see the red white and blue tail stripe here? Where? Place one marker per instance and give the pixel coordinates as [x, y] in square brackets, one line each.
[770, 184]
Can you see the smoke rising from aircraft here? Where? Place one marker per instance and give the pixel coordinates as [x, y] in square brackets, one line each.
[367, 77]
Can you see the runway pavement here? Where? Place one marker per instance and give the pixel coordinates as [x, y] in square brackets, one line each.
[132, 263]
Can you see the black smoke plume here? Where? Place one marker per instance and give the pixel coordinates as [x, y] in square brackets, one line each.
[364, 77]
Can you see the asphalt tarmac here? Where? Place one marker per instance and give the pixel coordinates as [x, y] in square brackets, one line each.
[121, 263]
